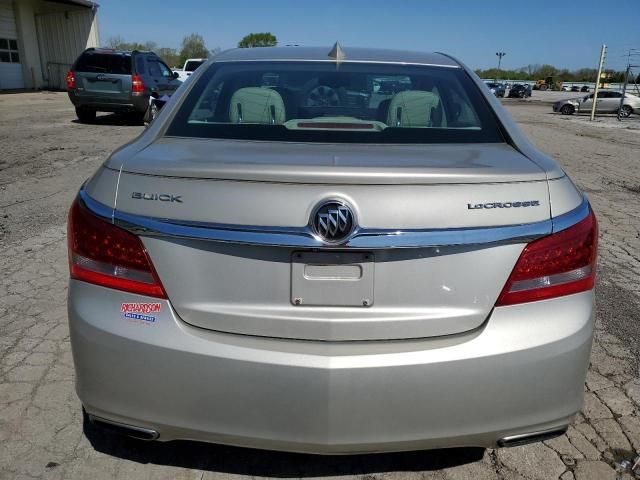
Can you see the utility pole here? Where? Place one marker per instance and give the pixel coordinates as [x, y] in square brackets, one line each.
[500, 55]
[595, 92]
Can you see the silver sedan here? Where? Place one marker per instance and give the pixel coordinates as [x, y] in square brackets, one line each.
[332, 251]
[607, 102]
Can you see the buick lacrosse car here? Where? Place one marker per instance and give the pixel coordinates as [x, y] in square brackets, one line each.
[332, 251]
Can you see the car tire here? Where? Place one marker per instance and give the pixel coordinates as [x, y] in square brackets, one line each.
[626, 111]
[137, 118]
[567, 109]
[86, 115]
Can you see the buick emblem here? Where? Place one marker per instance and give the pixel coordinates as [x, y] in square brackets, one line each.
[333, 221]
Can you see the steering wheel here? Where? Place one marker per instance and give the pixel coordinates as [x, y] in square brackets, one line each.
[322, 96]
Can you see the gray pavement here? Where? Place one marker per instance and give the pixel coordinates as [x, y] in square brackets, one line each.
[44, 158]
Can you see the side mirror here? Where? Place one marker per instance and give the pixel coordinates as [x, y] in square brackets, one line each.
[176, 74]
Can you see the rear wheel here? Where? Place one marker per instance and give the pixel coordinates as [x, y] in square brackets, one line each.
[86, 115]
[567, 110]
[137, 118]
[626, 111]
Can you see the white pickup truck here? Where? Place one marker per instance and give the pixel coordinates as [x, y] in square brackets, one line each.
[189, 67]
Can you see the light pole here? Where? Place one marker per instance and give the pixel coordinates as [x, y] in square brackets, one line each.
[500, 55]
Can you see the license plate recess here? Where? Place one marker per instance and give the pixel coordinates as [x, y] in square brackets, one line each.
[332, 279]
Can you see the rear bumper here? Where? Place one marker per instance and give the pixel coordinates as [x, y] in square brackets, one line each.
[522, 371]
[117, 103]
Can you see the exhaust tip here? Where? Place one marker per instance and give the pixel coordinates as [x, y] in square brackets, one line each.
[140, 433]
[525, 438]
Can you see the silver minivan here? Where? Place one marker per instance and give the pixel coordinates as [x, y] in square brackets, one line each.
[332, 251]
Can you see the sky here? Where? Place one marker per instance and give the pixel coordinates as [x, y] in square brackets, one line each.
[567, 34]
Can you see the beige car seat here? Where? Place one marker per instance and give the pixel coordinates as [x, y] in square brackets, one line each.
[257, 105]
[415, 108]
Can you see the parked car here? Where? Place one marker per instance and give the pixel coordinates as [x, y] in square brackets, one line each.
[289, 259]
[608, 102]
[497, 89]
[155, 105]
[108, 80]
[585, 88]
[190, 66]
[575, 88]
[520, 91]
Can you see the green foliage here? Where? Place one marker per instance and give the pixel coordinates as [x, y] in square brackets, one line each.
[265, 39]
[170, 56]
[537, 72]
[193, 46]
[510, 74]
[118, 43]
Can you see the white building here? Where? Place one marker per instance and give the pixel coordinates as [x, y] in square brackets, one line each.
[40, 39]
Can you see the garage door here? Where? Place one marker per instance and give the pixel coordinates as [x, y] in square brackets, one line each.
[10, 67]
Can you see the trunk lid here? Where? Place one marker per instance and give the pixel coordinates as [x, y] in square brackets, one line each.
[336, 163]
[332, 294]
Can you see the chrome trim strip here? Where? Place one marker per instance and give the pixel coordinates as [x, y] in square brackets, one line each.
[100, 209]
[329, 60]
[569, 219]
[361, 238]
[147, 433]
[524, 438]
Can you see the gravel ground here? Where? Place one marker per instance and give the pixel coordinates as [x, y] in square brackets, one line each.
[46, 156]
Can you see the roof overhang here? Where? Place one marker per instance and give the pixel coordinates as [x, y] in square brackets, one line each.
[79, 3]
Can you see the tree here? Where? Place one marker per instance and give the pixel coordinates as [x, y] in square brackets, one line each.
[193, 46]
[264, 39]
[170, 56]
[150, 46]
[546, 71]
[536, 72]
[119, 43]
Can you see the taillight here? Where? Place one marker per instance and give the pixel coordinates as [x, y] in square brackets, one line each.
[103, 254]
[137, 85]
[560, 264]
[71, 80]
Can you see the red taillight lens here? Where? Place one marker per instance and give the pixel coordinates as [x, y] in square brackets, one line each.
[71, 79]
[103, 254]
[560, 264]
[137, 85]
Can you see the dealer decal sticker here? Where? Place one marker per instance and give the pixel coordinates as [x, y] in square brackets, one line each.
[141, 311]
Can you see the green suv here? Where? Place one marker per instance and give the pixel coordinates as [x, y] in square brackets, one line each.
[108, 80]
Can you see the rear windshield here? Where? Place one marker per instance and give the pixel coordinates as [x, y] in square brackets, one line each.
[329, 102]
[192, 65]
[93, 62]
